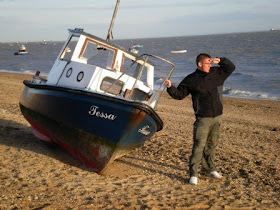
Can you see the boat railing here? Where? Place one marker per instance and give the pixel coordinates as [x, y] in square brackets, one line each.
[153, 98]
[157, 95]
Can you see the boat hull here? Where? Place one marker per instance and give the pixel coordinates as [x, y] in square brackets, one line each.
[21, 53]
[94, 128]
[178, 51]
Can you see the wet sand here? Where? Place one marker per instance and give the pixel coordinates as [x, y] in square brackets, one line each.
[38, 175]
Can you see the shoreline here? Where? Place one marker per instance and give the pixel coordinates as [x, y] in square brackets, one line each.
[34, 174]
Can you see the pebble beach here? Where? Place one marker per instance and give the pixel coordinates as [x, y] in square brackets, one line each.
[38, 175]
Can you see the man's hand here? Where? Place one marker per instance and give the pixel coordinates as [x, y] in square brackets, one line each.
[216, 60]
[167, 83]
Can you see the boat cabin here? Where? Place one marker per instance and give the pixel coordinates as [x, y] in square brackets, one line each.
[93, 64]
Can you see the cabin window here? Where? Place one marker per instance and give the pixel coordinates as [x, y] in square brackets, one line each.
[69, 49]
[140, 95]
[111, 85]
[98, 55]
[134, 69]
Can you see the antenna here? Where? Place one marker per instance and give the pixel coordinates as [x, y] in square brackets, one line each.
[110, 33]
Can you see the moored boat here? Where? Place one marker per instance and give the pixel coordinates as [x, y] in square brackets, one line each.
[44, 42]
[98, 101]
[275, 29]
[21, 51]
[135, 48]
[178, 51]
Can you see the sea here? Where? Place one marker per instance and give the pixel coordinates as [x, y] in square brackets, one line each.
[256, 56]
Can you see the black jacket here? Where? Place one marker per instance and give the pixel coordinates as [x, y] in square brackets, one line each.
[205, 88]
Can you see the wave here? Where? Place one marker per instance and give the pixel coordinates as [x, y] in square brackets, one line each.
[237, 74]
[229, 92]
[248, 94]
[245, 75]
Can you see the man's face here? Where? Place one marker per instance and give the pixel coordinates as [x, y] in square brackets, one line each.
[205, 65]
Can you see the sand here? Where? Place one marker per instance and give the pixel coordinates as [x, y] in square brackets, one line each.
[38, 175]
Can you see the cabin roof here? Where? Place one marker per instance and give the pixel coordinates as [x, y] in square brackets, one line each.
[81, 31]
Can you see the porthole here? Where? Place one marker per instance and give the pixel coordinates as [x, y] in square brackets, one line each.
[80, 76]
[69, 72]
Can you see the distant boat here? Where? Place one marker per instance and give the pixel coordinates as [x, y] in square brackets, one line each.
[135, 48]
[178, 51]
[21, 51]
[44, 42]
[68, 50]
[275, 29]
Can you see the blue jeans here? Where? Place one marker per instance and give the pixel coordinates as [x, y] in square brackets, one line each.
[206, 133]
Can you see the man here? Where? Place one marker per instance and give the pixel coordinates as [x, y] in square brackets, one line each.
[205, 85]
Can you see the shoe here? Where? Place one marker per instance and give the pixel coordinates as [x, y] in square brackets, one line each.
[193, 180]
[216, 175]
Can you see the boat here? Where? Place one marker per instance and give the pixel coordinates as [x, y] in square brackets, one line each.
[135, 48]
[67, 50]
[44, 42]
[178, 51]
[98, 101]
[275, 29]
[21, 51]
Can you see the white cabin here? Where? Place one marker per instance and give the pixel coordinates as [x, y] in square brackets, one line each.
[93, 64]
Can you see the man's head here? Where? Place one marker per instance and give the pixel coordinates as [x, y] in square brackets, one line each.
[203, 62]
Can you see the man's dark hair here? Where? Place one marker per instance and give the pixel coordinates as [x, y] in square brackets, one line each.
[201, 57]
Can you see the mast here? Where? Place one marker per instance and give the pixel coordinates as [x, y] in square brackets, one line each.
[110, 33]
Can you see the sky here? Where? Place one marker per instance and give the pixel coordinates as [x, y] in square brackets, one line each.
[37, 20]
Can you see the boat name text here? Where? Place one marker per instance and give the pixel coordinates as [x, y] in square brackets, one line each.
[94, 111]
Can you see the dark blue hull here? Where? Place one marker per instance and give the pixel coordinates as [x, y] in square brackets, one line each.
[17, 53]
[95, 128]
